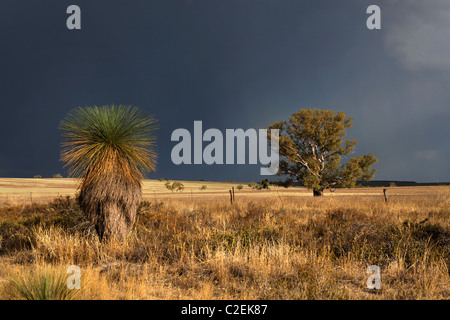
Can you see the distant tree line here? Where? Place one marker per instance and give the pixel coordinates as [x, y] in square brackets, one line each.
[56, 175]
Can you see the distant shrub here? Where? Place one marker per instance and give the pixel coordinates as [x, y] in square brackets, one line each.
[264, 184]
[57, 176]
[287, 183]
[160, 179]
[253, 185]
[392, 184]
[240, 187]
[38, 176]
[174, 186]
[203, 187]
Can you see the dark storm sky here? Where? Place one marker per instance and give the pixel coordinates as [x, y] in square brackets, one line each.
[232, 64]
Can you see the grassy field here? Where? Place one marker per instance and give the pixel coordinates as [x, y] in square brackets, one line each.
[270, 244]
[26, 191]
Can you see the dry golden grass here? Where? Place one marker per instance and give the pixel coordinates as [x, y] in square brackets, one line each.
[15, 191]
[268, 245]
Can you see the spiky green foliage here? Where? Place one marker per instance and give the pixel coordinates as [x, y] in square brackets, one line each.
[41, 285]
[312, 146]
[99, 140]
[110, 148]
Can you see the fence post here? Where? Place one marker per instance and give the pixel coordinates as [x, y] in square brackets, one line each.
[31, 197]
[385, 195]
[231, 197]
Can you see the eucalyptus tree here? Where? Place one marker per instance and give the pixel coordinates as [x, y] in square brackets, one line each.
[312, 148]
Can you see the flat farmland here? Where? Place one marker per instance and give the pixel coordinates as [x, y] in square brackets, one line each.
[193, 244]
[23, 191]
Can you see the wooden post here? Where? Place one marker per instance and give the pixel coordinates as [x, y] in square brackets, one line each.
[231, 197]
[385, 195]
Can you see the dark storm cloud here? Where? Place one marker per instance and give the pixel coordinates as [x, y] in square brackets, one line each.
[418, 38]
[231, 64]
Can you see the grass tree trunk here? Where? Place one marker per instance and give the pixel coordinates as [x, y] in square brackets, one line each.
[112, 209]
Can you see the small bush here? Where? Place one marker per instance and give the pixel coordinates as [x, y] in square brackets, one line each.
[253, 185]
[57, 176]
[41, 285]
[240, 187]
[38, 176]
[175, 186]
[264, 184]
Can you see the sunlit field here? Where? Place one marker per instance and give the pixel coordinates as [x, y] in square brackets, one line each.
[27, 191]
[194, 244]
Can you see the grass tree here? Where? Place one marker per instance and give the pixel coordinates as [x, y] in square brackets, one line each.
[110, 148]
